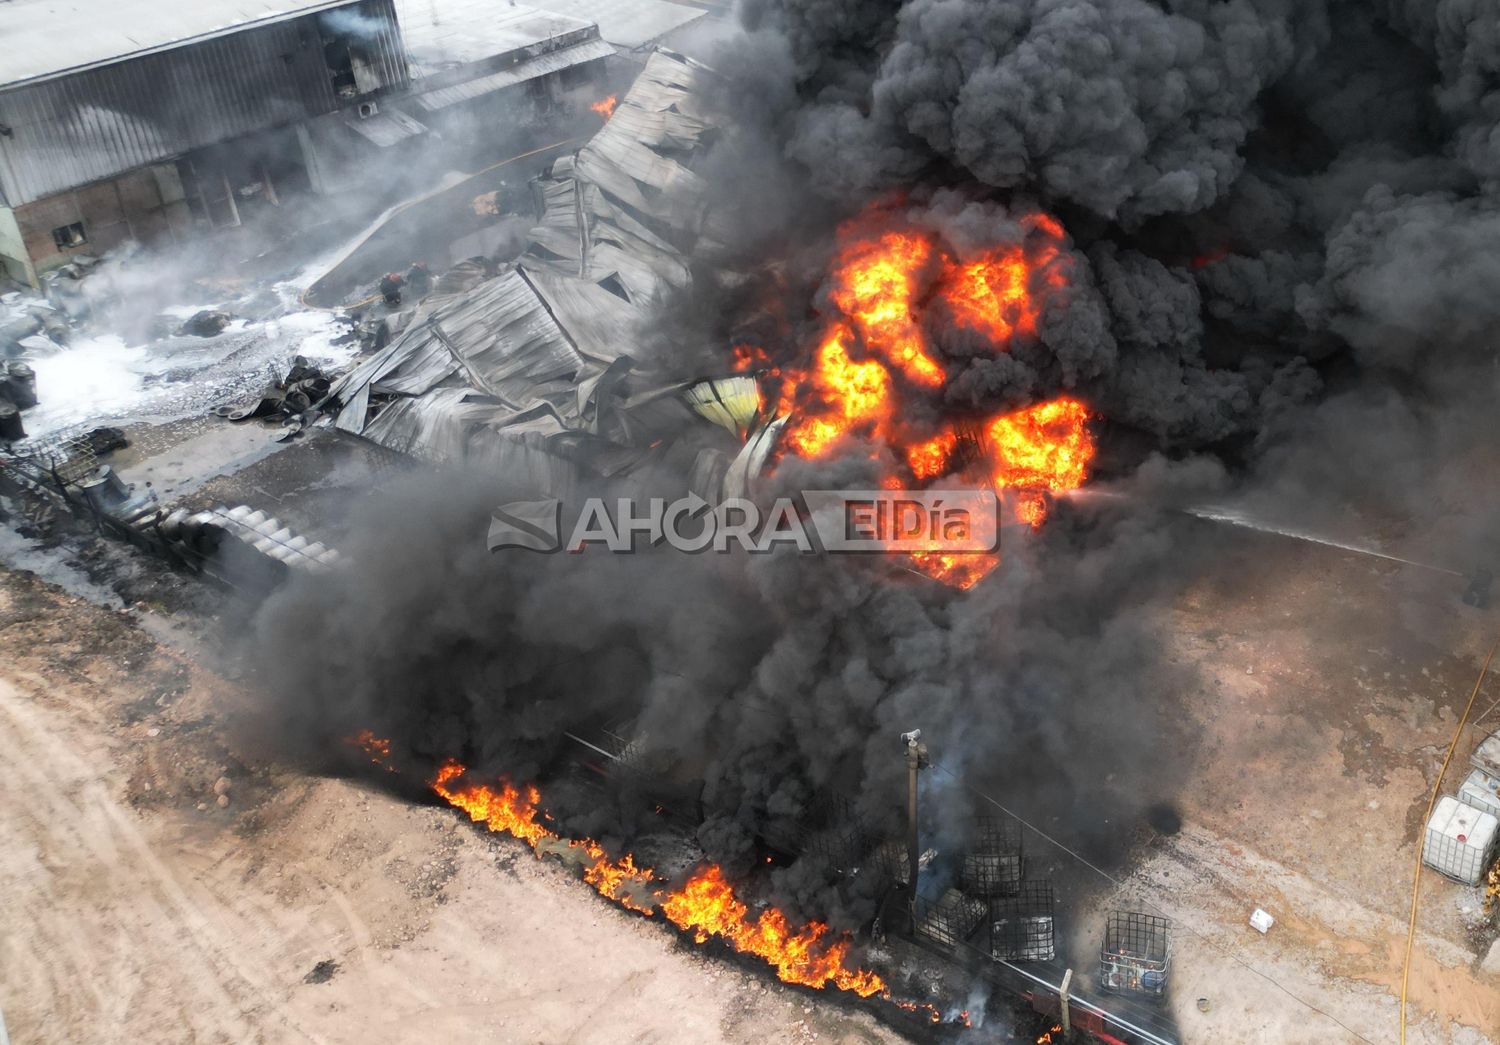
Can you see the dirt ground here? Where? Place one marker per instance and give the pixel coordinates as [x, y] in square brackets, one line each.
[1332, 686]
[139, 909]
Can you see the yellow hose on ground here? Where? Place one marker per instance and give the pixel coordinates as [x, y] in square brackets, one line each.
[1416, 879]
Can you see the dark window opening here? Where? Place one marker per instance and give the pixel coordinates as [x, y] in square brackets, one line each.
[340, 63]
[68, 236]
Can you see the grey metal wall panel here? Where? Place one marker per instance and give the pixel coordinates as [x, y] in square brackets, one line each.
[104, 121]
[386, 49]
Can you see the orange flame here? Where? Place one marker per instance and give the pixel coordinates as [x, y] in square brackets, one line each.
[1044, 447]
[1047, 1039]
[378, 748]
[605, 107]
[961, 571]
[1030, 507]
[707, 906]
[874, 354]
[876, 287]
[993, 293]
[929, 459]
[508, 810]
[810, 955]
[857, 394]
[750, 357]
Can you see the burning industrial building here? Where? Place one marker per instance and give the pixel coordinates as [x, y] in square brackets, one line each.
[1195, 295]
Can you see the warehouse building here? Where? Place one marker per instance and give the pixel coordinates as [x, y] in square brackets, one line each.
[146, 120]
[153, 122]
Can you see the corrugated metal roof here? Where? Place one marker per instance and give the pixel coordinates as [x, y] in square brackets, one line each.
[530, 69]
[445, 34]
[499, 338]
[635, 158]
[40, 38]
[603, 325]
[534, 366]
[627, 23]
[623, 207]
[71, 130]
[439, 424]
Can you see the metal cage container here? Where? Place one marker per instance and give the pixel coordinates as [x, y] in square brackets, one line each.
[995, 862]
[889, 861]
[952, 919]
[1136, 955]
[1021, 926]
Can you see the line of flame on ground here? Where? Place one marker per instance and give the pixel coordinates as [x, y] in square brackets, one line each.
[706, 905]
[875, 358]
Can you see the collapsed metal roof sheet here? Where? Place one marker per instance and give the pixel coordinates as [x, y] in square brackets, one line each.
[602, 324]
[638, 156]
[540, 355]
[628, 206]
[588, 236]
[500, 338]
[441, 424]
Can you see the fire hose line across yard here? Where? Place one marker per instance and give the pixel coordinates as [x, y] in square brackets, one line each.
[1437, 786]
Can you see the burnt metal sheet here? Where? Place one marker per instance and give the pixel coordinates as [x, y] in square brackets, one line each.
[635, 157]
[625, 205]
[583, 233]
[602, 324]
[506, 340]
[458, 424]
[435, 425]
[543, 351]
[499, 339]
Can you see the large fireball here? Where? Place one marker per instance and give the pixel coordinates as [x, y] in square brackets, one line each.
[876, 356]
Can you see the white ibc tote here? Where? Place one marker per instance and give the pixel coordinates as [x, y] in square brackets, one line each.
[1460, 841]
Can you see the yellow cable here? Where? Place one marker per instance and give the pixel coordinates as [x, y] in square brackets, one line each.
[302, 298]
[1416, 880]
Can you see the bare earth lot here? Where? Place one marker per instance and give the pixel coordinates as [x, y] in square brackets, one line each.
[138, 909]
[1326, 711]
[132, 915]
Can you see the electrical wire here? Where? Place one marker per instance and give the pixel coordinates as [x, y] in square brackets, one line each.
[1118, 883]
[1416, 878]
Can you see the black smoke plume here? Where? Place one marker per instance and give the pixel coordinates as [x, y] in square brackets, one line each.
[1282, 218]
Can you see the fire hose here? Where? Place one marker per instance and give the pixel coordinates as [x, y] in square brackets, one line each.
[1416, 881]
